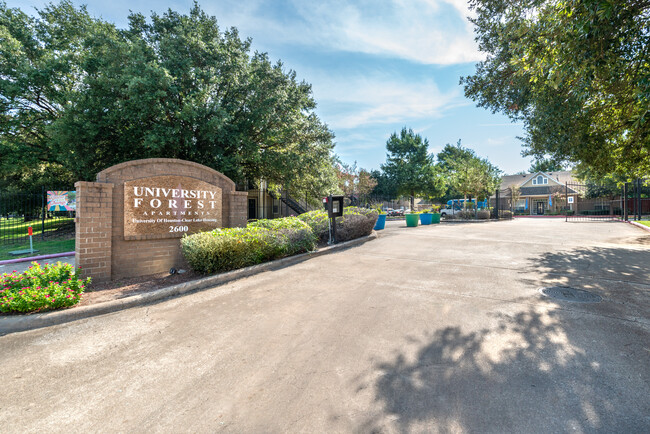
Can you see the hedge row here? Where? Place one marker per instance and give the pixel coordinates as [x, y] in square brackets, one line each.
[232, 248]
[264, 240]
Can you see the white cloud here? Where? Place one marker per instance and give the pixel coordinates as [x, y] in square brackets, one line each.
[424, 31]
[378, 99]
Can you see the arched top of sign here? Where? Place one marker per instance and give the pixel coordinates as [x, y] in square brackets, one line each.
[183, 167]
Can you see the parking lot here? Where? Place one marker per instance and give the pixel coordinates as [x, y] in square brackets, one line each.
[428, 329]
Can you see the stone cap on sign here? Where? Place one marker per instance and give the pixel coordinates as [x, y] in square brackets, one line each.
[104, 175]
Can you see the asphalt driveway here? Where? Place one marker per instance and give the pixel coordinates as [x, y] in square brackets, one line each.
[430, 329]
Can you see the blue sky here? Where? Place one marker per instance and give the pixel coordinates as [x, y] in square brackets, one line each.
[375, 66]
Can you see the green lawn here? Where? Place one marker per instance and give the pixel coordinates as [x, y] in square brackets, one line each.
[645, 223]
[43, 247]
[16, 227]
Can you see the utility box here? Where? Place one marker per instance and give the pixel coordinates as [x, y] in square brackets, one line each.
[334, 206]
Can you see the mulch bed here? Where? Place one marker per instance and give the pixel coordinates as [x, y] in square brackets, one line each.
[106, 291]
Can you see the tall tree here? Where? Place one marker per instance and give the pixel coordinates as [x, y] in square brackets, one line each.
[475, 177]
[448, 159]
[86, 96]
[410, 166]
[467, 173]
[354, 181]
[545, 165]
[576, 73]
[385, 187]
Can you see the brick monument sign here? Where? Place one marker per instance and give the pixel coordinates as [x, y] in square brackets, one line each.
[130, 220]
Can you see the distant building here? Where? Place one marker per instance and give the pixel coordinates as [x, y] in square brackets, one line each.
[539, 193]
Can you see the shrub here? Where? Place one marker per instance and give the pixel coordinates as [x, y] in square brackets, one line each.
[356, 222]
[505, 214]
[483, 214]
[466, 214]
[41, 288]
[318, 221]
[232, 248]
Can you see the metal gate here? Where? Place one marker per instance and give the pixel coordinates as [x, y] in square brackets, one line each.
[636, 200]
[501, 204]
[19, 211]
[589, 202]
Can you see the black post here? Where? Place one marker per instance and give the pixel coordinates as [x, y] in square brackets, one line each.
[624, 204]
[497, 204]
[566, 201]
[330, 206]
[638, 198]
[43, 203]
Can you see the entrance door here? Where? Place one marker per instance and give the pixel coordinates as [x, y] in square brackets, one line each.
[252, 209]
[540, 208]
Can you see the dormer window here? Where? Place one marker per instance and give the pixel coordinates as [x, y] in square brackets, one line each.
[540, 180]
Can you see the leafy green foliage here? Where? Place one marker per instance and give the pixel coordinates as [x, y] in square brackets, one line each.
[41, 288]
[386, 186]
[410, 166]
[575, 73]
[545, 165]
[352, 180]
[78, 95]
[261, 241]
[467, 173]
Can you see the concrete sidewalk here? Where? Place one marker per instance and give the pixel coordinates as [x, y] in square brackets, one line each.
[22, 266]
[428, 329]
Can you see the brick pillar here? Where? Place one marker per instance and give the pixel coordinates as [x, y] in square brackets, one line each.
[94, 228]
[238, 210]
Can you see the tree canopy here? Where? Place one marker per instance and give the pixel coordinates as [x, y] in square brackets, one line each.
[78, 95]
[576, 73]
[469, 175]
[410, 166]
[353, 180]
[545, 166]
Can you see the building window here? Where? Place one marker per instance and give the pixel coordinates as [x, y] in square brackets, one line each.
[540, 180]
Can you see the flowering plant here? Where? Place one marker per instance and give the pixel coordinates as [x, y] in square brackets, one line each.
[47, 287]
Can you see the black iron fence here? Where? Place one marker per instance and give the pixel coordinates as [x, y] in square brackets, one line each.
[501, 204]
[19, 211]
[635, 200]
[588, 202]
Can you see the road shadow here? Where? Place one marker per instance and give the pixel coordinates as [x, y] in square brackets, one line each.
[621, 276]
[528, 373]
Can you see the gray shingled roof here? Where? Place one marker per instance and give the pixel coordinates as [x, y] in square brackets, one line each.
[537, 191]
[562, 177]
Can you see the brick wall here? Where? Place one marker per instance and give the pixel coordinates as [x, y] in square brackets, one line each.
[238, 212]
[93, 226]
[120, 258]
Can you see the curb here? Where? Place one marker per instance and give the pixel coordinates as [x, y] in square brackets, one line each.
[14, 324]
[639, 225]
[36, 258]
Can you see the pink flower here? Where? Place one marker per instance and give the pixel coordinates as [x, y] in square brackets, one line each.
[47, 295]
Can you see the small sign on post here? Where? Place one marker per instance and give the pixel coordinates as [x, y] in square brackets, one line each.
[30, 233]
[334, 207]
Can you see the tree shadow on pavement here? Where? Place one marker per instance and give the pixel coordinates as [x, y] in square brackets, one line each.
[530, 372]
[616, 263]
[621, 276]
